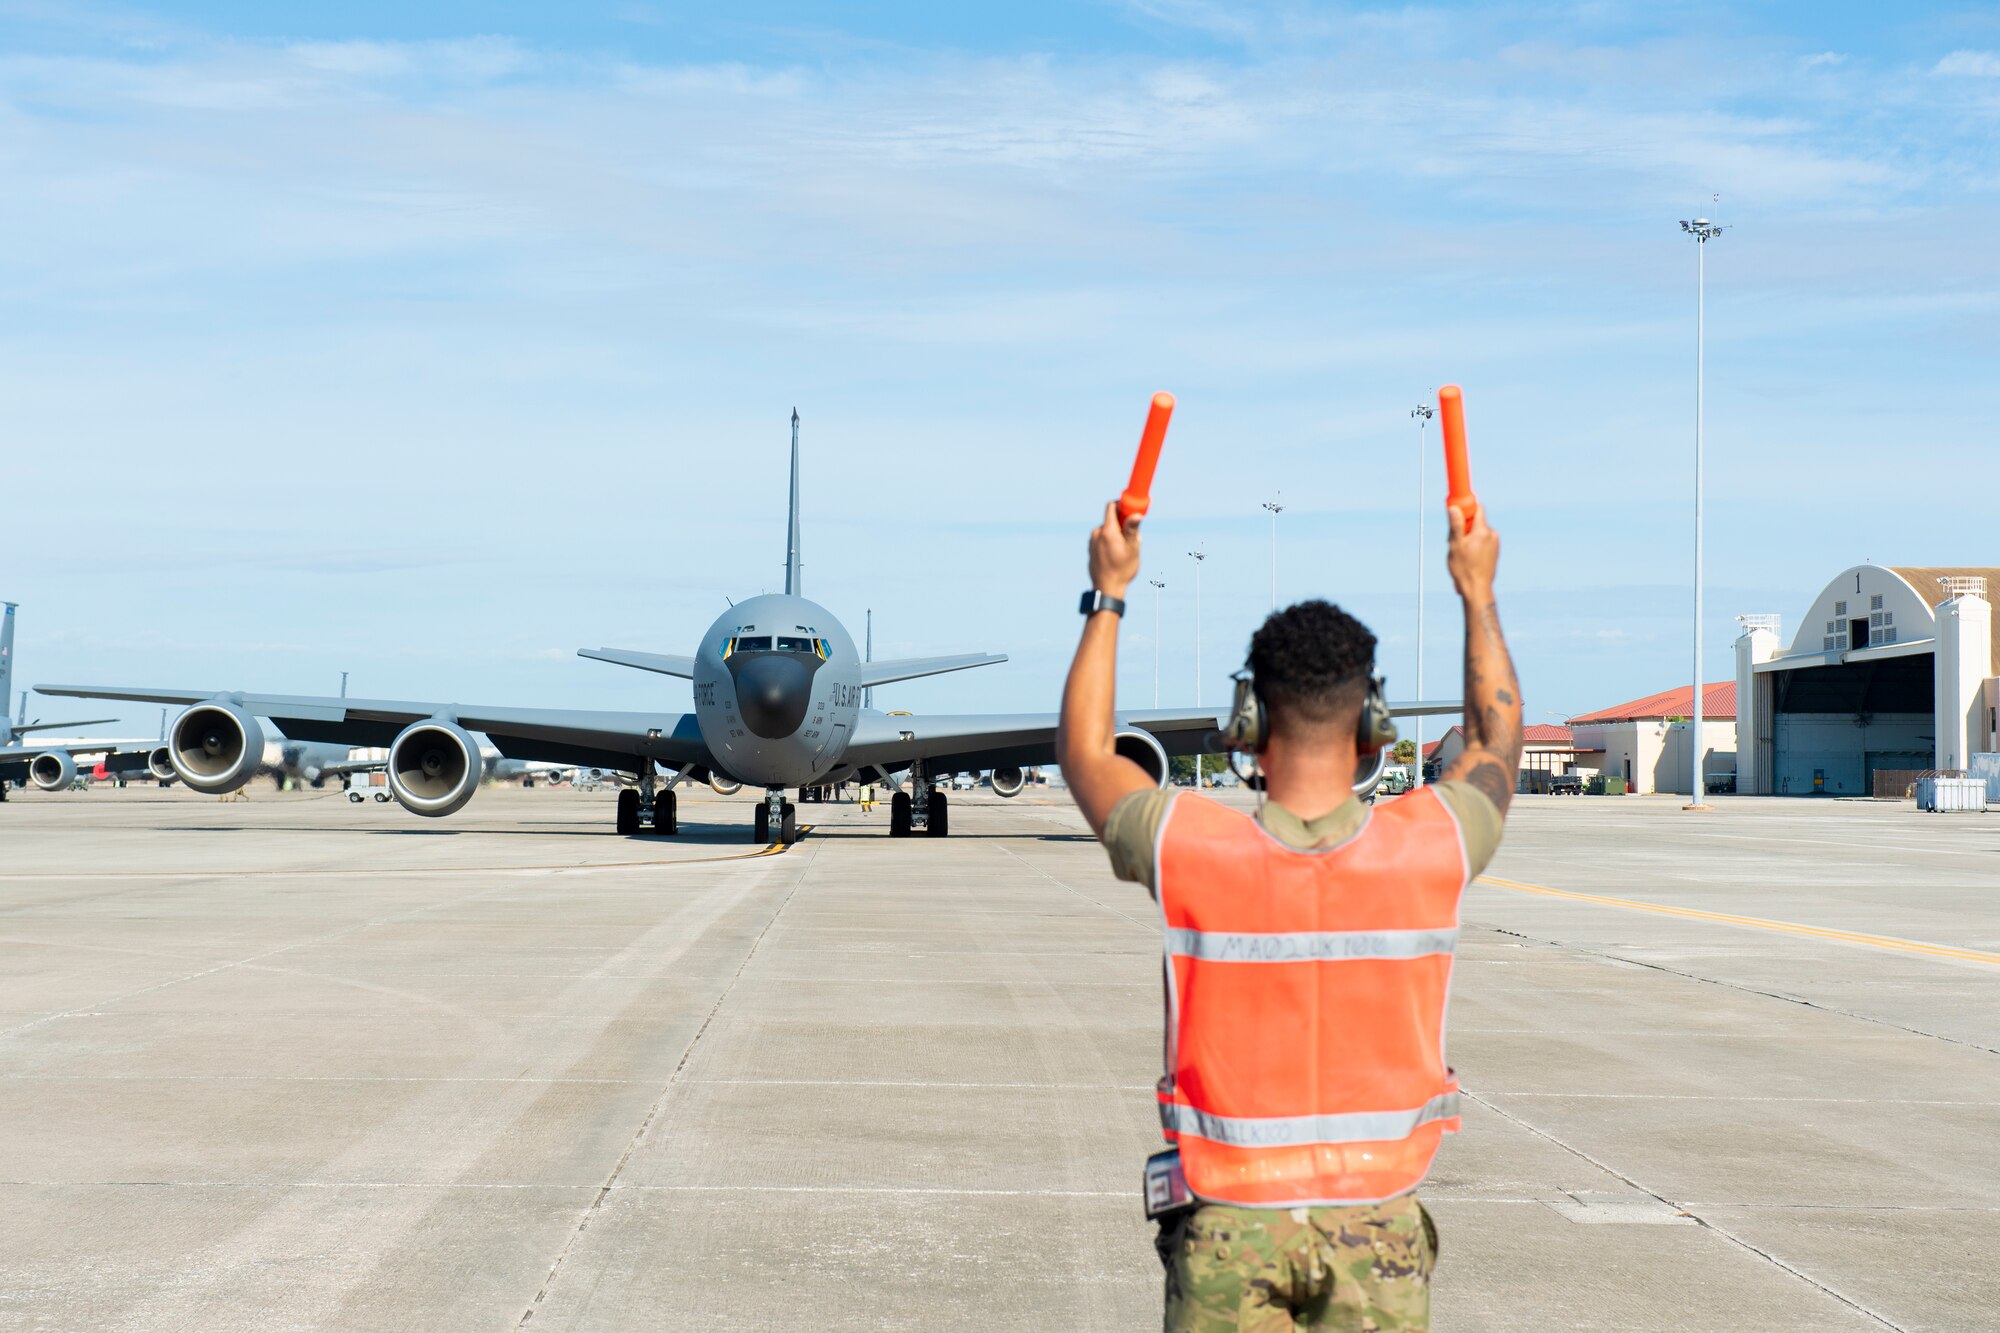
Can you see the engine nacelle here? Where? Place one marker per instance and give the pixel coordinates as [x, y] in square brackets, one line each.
[1008, 781]
[434, 767]
[160, 763]
[52, 770]
[215, 747]
[1144, 750]
[723, 786]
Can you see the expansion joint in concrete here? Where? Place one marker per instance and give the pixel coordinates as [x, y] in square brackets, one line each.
[1741, 989]
[659, 1102]
[1687, 1210]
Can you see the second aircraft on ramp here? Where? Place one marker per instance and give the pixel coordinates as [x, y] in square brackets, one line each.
[777, 704]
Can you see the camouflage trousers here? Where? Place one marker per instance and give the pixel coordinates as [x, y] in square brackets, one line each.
[1365, 1269]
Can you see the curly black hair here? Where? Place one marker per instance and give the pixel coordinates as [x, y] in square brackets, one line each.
[1312, 662]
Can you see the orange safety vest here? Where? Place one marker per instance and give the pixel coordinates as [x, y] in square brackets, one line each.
[1306, 1002]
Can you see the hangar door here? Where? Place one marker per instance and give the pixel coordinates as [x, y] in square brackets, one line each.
[1834, 726]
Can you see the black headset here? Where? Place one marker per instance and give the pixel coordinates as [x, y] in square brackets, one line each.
[1249, 724]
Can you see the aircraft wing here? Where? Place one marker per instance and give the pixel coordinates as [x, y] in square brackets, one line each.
[664, 663]
[120, 756]
[588, 737]
[965, 743]
[892, 669]
[60, 726]
[1428, 708]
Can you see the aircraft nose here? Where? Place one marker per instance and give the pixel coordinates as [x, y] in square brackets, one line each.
[772, 695]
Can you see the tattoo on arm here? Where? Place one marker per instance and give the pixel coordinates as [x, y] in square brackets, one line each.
[1491, 780]
[1492, 708]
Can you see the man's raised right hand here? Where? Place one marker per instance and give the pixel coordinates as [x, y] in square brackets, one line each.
[1474, 553]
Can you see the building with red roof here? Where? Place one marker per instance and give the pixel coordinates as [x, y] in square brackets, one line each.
[1645, 740]
[1718, 702]
[1544, 749]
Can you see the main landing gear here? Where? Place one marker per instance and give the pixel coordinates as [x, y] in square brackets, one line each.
[928, 810]
[647, 807]
[775, 812]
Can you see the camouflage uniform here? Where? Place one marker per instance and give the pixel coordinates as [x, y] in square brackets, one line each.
[1274, 1270]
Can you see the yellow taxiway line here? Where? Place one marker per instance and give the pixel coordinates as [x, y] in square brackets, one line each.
[1889, 942]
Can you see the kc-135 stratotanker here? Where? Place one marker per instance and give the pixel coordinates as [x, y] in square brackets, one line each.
[779, 703]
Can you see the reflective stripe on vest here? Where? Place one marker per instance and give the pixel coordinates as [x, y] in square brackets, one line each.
[1298, 1130]
[1308, 946]
[1306, 994]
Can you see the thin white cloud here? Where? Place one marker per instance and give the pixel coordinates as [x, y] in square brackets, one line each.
[1974, 64]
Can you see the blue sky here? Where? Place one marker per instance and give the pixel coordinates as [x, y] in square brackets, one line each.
[432, 342]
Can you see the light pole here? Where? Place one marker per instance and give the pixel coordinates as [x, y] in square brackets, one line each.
[1157, 585]
[1276, 509]
[1198, 555]
[1703, 232]
[1423, 413]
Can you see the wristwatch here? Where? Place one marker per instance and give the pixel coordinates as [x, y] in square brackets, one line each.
[1097, 600]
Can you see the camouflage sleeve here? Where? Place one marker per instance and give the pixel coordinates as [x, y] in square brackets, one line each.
[1478, 819]
[1130, 833]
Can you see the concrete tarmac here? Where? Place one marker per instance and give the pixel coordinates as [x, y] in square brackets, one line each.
[293, 1063]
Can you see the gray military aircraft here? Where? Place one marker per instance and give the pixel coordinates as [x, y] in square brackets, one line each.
[51, 763]
[778, 704]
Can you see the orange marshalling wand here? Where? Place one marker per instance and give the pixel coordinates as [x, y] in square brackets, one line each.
[1457, 471]
[1138, 497]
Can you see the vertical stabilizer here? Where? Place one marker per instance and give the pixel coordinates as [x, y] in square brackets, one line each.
[793, 583]
[7, 664]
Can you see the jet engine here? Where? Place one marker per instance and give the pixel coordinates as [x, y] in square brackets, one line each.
[52, 770]
[1008, 781]
[724, 787]
[160, 763]
[434, 767]
[215, 747]
[1142, 749]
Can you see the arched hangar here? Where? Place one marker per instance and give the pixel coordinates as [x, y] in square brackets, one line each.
[1892, 670]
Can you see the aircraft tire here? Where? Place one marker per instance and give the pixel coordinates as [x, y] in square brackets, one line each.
[899, 815]
[666, 815]
[760, 825]
[939, 825]
[790, 827]
[628, 812]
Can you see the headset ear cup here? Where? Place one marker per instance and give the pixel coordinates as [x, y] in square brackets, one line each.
[1246, 731]
[1378, 724]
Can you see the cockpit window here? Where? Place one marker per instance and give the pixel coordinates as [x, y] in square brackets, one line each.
[754, 643]
[790, 645]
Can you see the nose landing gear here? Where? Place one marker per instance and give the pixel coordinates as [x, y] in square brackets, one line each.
[779, 812]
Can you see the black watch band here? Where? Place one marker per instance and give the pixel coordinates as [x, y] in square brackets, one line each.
[1096, 600]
